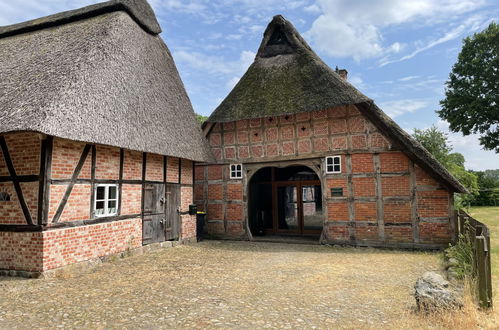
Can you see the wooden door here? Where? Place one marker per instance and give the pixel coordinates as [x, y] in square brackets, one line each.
[172, 217]
[298, 208]
[153, 224]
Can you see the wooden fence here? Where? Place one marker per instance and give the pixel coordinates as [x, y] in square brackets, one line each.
[479, 236]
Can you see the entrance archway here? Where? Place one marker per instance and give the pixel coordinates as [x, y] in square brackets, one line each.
[285, 201]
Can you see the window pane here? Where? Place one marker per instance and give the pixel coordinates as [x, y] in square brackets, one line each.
[112, 193]
[337, 168]
[111, 207]
[336, 160]
[329, 160]
[330, 168]
[99, 208]
[238, 167]
[101, 192]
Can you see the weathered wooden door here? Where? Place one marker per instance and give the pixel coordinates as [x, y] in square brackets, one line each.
[153, 228]
[172, 219]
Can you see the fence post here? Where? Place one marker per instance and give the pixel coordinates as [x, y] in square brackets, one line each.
[482, 271]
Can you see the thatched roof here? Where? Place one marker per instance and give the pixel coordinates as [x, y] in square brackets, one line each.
[99, 74]
[287, 77]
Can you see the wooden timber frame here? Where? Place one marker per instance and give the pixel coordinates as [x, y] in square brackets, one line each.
[317, 165]
[45, 180]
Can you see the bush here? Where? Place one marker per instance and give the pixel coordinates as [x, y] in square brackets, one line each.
[462, 253]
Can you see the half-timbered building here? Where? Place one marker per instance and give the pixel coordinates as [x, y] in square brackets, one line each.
[300, 151]
[97, 138]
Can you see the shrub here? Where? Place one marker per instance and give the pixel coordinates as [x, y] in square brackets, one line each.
[462, 253]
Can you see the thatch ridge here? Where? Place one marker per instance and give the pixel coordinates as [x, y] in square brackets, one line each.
[285, 78]
[100, 80]
[139, 10]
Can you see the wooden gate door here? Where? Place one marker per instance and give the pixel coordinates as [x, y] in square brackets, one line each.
[172, 219]
[153, 225]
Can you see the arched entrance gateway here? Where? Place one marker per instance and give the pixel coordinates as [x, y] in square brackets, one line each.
[285, 201]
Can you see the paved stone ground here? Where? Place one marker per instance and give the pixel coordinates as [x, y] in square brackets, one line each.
[225, 285]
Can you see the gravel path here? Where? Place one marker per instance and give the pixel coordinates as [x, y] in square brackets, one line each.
[225, 285]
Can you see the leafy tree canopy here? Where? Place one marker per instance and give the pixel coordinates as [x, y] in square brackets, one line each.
[201, 119]
[471, 103]
[437, 143]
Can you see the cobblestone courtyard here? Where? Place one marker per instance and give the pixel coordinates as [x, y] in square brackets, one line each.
[225, 284]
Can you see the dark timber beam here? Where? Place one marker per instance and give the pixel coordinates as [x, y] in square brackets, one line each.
[15, 181]
[44, 185]
[92, 181]
[69, 189]
[120, 182]
[20, 178]
[380, 214]
[414, 203]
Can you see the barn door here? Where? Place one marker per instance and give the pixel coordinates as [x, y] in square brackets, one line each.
[172, 219]
[153, 225]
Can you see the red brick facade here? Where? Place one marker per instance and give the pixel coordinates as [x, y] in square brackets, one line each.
[53, 244]
[386, 197]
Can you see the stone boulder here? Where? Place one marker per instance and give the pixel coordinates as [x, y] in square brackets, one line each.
[433, 292]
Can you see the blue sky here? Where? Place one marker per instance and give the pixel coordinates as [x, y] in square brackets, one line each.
[398, 53]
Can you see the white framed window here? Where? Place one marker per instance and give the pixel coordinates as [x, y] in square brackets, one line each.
[236, 171]
[106, 200]
[333, 164]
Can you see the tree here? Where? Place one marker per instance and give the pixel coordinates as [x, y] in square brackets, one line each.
[489, 190]
[437, 143]
[471, 103]
[200, 118]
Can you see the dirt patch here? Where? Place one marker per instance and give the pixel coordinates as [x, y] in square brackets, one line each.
[226, 284]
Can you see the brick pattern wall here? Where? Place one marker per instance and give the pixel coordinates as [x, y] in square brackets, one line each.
[131, 199]
[69, 245]
[132, 165]
[58, 247]
[21, 251]
[382, 205]
[172, 170]
[386, 198]
[221, 198]
[154, 167]
[305, 134]
[107, 165]
[65, 157]
[24, 150]
[41, 251]
[78, 204]
[10, 211]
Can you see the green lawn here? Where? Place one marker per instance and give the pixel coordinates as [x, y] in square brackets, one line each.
[489, 215]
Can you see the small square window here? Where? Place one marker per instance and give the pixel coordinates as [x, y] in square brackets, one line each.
[333, 164]
[236, 171]
[106, 200]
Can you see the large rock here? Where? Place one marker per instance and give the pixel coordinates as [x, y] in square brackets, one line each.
[433, 292]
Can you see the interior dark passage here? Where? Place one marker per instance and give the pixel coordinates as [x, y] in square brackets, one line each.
[285, 201]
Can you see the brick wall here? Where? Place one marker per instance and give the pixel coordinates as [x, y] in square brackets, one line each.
[21, 251]
[221, 198]
[320, 132]
[65, 157]
[24, 150]
[41, 251]
[69, 245]
[154, 167]
[381, 186]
